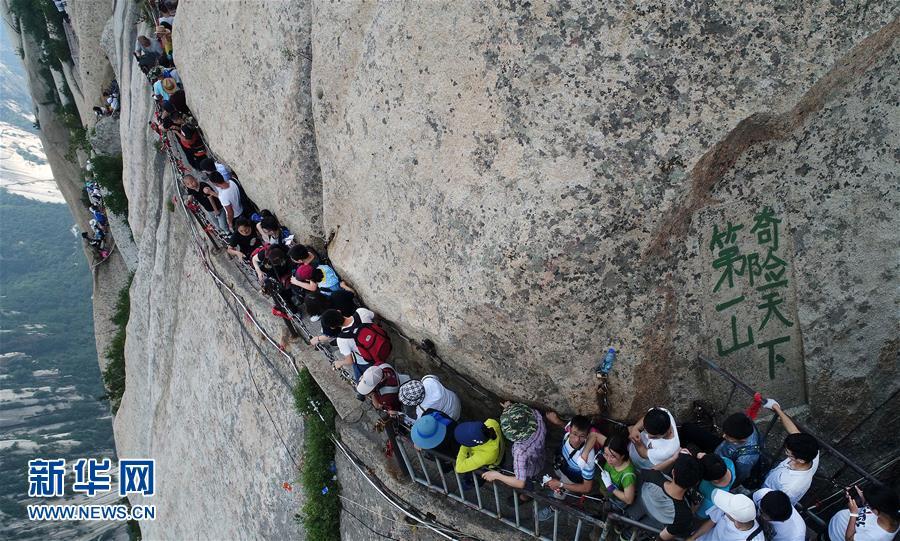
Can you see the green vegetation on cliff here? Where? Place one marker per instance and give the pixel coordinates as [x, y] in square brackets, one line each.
[321, 513]
[114, 373]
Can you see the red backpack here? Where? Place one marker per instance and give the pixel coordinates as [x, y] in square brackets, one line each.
[372, 341]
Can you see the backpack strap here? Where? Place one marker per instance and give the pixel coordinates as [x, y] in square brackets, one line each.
[755, 532]
[389, 389]
[354, 329]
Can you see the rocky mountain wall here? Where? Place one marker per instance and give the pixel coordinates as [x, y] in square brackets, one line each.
[526, 185]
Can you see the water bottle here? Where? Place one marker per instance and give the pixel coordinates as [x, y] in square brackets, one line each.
[607, 363]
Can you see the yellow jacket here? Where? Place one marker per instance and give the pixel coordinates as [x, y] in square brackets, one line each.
[489, 453]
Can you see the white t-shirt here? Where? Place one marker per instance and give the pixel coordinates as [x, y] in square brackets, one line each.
[725, 530]
[348, 345]
[867, 531]
[792, 529]
[231, 196]
[794, 483]
[658, 450]
[438, 397]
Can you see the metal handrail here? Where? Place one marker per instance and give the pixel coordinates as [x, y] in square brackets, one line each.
[738, 384]
[478, 503]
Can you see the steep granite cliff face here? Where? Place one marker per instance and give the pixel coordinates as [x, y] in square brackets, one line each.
[524, 185]
[527, 185]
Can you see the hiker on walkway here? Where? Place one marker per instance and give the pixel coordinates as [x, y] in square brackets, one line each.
[572, 472]
[199, 192]
[164, 35]
[872, 514]
[112, 103]
[243, 241]
[718, 474]
[793, 475]
[618, 473]
[149, 53]
[732, 519]
[304, 255]
[322, 278]
[654, 440]
[480, 445]
[270, 230]
[99, 218]
[229, 197]
[95, 240]
[316, 304]
[664, 497]
[192, 144]
[164, 87]
[430, 393]
[143, 45]
[740, 442]
[271, 262]
[209, 165]
[776, 510]
[524, 427]
[434, 431]
[346, 328]
[381, 383]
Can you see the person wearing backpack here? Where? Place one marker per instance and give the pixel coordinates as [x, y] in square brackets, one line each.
[361, 341]
[382, 383]
[740, 443]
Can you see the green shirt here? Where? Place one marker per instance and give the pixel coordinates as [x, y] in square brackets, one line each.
[622, 479]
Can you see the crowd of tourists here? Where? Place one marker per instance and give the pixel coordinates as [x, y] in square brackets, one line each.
[96, 240]
[689, 481]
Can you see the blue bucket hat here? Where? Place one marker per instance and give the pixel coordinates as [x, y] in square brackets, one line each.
[428, 432]
[470, 433]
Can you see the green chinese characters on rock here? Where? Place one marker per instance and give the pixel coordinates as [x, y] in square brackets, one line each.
[760, 270]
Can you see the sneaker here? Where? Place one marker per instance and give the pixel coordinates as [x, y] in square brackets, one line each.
[544, 514]
[315, 318]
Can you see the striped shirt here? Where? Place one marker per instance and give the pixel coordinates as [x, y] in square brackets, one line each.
[528, 454]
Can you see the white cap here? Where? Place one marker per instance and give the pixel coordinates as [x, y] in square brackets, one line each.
[737, 506]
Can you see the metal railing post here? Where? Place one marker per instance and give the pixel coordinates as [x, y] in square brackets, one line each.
[516, 506]
[424, 468]
[497, 499]
[475, 480]
[824, 444]
[459, 485]
[441, 472]
[403, 459]
[555, 523]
